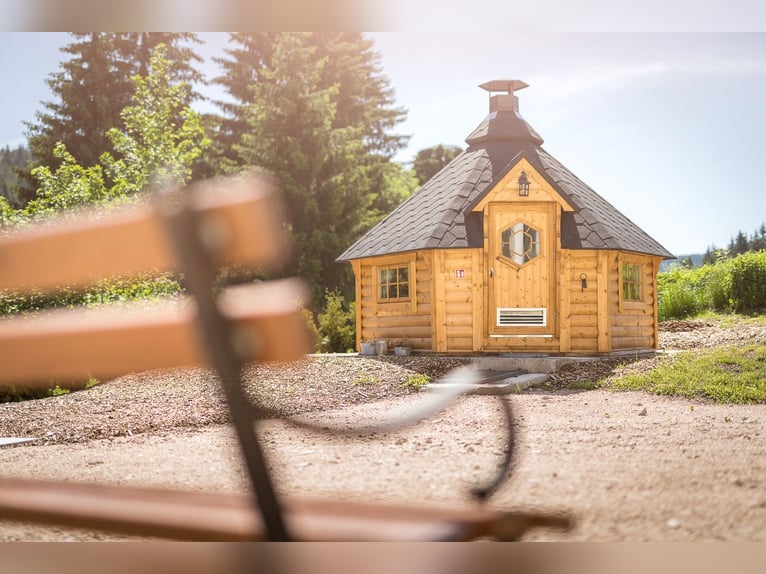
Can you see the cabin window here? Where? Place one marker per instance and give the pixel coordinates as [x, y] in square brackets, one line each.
[394, 283]
[631, 282]
[520, 243]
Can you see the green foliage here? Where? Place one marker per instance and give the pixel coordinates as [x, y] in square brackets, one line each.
[92, 87]
[365, 379]
[748, 282]
[688, 292]
[312, 330]
[8, 215]
[399, 183]
[737, 284]
[428, 162]
[679, 300]
[315, 110]
[142, 287]
[70, 186]
[417, 382]
[162, 139]
[725, 375]
[18, 393]
[11, 162]
[337, 324]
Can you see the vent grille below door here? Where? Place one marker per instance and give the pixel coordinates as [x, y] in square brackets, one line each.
[522, 317]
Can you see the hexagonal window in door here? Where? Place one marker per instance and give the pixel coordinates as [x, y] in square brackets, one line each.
[520, 243]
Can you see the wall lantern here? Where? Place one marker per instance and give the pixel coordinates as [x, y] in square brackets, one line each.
[523, 184]
[584, 281]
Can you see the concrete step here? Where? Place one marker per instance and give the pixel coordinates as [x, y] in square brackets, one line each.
[509, 385]
[11, 440]
[500, 382]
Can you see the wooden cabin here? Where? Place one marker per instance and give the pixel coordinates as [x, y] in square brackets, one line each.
[505, 251]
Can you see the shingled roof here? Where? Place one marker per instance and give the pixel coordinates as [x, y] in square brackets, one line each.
[438, 215]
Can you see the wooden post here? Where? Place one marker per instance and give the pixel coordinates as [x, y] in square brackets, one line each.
[655, 270]
[439, 326]
[565, 319]
[477, 288]
[356, 265]
[602, 305]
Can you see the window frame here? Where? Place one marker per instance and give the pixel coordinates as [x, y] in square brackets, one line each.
[379, 269]
[538, 243]
[388, 307]
[631, 281]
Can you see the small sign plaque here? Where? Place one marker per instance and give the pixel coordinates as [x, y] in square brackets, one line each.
[459, 273]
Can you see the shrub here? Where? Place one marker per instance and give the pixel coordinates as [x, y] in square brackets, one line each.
[718, 290]
[104, 291]
[311, 327]
[748, 282]
[686, 292]
[678, 301]
[416, 382]
[337, 325]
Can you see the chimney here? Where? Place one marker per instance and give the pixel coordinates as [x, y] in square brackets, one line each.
[504, 122]
[507, 101]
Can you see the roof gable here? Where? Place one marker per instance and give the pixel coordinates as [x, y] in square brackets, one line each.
[507, 188]
[442, 213]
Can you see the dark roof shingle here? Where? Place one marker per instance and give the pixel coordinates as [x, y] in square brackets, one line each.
[436, 215]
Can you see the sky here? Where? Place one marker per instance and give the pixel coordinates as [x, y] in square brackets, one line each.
[668, 127]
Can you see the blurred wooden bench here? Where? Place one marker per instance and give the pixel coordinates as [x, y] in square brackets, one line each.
[195, 232]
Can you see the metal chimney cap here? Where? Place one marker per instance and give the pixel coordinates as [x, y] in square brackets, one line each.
[507, 86]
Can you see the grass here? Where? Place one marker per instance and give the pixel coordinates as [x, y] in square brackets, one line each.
[723, 374]
[365, 379]
[416, 382]
[583, 385]
[730, 320]
[22, 393]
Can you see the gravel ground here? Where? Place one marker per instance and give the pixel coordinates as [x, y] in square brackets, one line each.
[630, 466]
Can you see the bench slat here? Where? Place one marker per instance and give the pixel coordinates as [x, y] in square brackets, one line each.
[74, 344]
[91, 245]
[232, 517]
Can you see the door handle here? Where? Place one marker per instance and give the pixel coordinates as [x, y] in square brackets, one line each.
[491, 272]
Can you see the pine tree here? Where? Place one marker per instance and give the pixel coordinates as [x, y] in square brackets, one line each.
[314, 109]
[758, 241]
[91, 89]
[428, 162]
[12, 160]
[709, 258]
[151, 144]
[740, 244]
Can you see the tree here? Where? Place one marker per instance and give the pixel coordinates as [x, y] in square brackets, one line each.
[398, 184]
[12, 160]
[152, 144]
[429, 161]
[315, 110]
[709, 258]
[91, 89]
[739, 245]
[758, 241]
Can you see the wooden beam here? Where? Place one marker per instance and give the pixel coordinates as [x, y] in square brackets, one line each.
[477, 299]
[604, 317]
[356, 265]
[565, 315]
[657, 261]
[439, 328]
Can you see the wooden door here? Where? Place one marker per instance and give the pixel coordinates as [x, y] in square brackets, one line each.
[521, 283]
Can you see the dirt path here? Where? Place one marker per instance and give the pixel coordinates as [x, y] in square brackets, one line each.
[684, 470]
